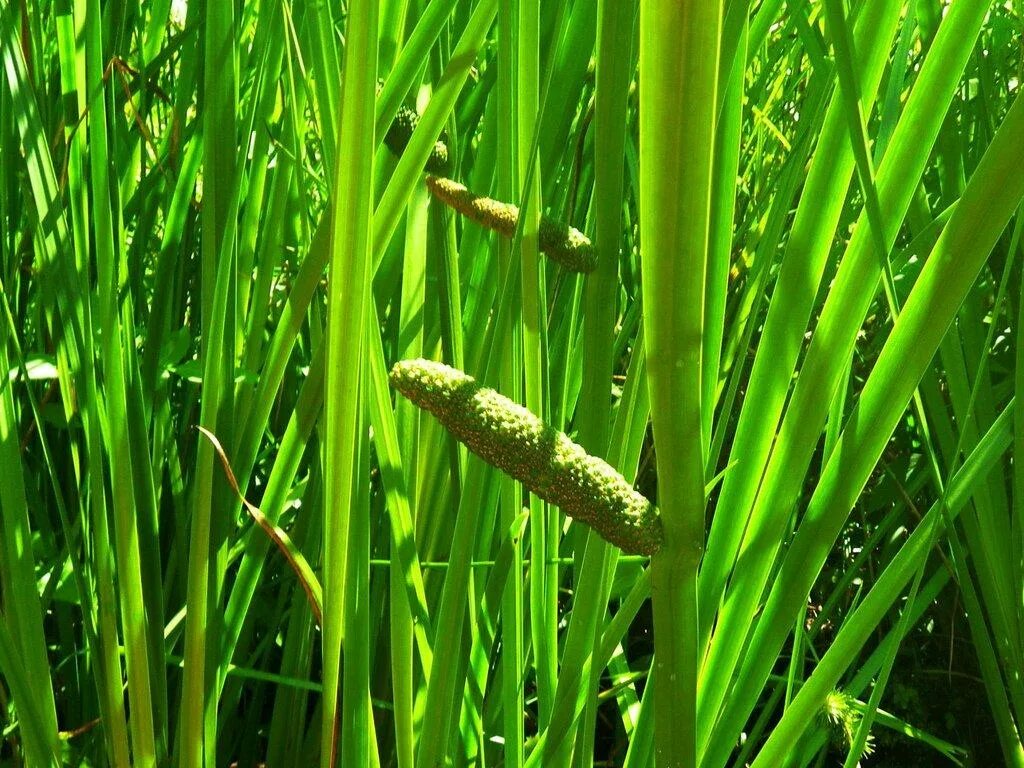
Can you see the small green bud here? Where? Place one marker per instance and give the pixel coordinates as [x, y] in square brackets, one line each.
[566, 245]
[546, 461]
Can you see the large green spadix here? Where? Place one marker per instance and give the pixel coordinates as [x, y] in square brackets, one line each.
[546, 461]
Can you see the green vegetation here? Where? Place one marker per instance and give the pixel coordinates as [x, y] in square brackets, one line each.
[788, 312]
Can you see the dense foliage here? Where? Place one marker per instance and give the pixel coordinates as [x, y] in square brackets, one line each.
[788, 311]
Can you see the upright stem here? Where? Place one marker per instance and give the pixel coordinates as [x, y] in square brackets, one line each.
[679, 46]
[346, 512]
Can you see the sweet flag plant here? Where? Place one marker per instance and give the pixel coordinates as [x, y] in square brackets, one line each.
[718, 465]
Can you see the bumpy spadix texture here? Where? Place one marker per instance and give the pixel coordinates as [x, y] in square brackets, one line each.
[545, 460]
[400, 132]
[566, 245]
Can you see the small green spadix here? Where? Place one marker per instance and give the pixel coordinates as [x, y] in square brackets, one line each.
[566, 245]
[400, 131]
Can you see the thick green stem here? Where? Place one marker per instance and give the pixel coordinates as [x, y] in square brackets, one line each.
[679, 53]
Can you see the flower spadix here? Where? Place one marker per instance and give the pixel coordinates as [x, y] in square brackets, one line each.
[546, 461]
[400, 131]
[566, 245]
